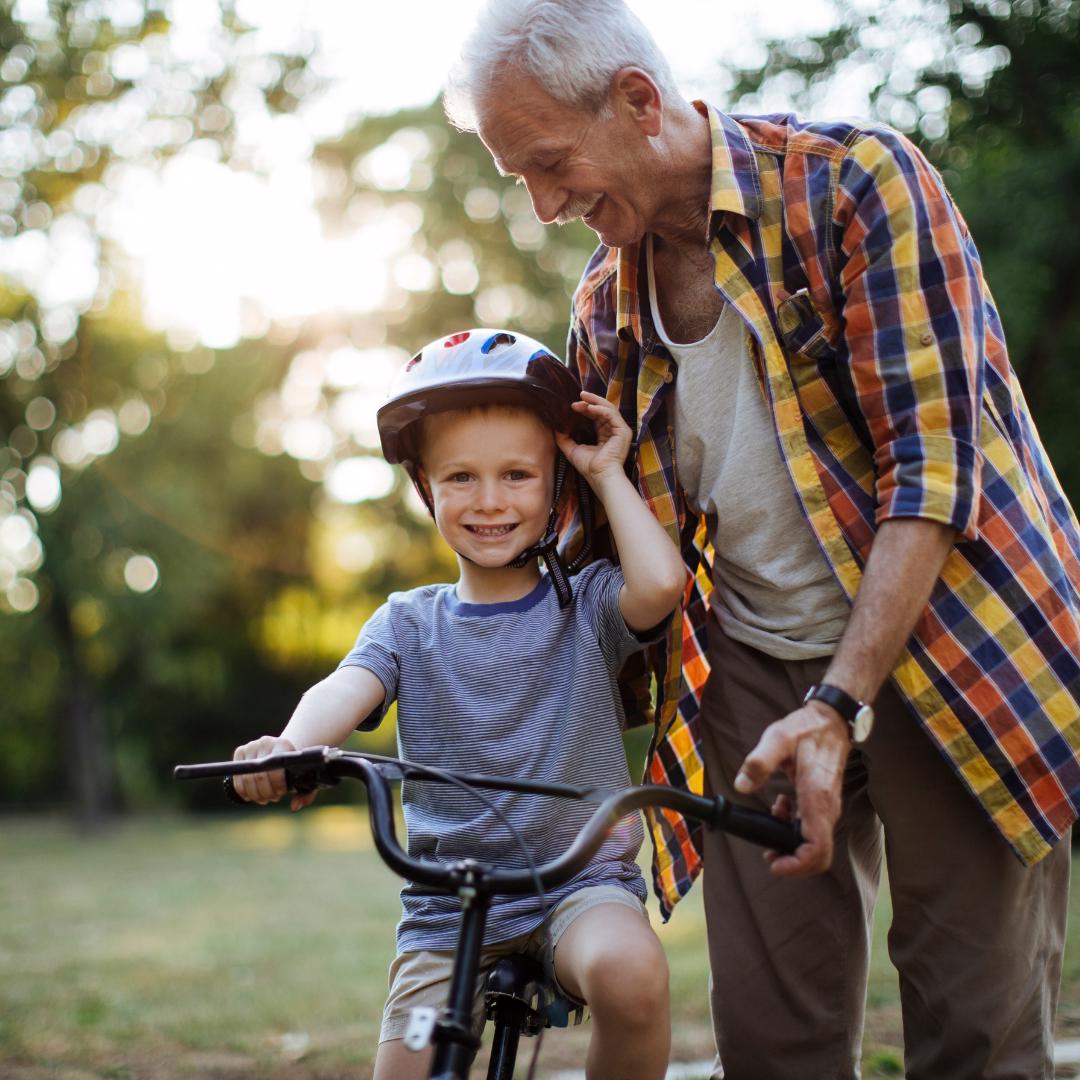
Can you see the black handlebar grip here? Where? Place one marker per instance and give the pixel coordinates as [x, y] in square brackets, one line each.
[302, 783]
[759, 827]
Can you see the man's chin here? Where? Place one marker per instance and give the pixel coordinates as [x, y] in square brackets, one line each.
[613, 237]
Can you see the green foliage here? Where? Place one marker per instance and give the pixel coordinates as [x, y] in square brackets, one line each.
[991, 91]
[180, 581]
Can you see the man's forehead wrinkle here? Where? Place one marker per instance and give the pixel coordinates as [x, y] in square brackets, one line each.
[517, 168]
[520, 144]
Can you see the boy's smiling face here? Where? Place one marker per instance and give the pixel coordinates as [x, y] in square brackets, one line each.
[490, 473]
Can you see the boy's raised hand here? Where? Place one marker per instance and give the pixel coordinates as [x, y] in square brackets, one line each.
[606, 458]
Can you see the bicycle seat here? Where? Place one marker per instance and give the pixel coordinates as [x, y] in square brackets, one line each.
[518, 989]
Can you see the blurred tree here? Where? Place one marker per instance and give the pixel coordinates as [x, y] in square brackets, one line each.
[86, 91]
[160, 549]
[477, 256]
[991, 91]
[189, 537]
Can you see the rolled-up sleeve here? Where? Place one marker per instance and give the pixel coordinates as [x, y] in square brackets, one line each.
[912, 295]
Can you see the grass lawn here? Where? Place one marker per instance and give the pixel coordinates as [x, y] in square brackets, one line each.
[257, 946]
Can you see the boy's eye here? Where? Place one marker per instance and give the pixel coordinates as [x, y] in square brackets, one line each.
[460, 478]
[517, 474]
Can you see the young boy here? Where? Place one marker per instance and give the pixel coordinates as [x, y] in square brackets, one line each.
[510, 671]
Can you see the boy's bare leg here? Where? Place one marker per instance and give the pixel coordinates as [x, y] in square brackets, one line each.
[394, 1062]
[610, 957]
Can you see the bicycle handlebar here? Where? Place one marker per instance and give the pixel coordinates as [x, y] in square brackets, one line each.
[324, 766]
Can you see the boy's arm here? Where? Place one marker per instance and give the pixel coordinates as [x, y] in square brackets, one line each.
[652, 566]
[326, 716]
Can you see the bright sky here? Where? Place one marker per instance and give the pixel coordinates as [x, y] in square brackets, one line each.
[220, 251]
[270, 254]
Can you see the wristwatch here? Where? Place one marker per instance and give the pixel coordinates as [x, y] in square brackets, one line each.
[857, 713]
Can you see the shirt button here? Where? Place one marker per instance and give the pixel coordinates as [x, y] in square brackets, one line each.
[927, 339]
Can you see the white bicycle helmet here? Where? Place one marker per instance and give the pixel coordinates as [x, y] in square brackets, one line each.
[491, 367]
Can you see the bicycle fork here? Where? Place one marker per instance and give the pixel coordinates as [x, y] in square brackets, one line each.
[451, 1030]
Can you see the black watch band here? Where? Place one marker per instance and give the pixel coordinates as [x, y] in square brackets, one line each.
[858, 714]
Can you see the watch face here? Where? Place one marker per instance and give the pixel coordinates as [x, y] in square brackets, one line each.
[863, 723]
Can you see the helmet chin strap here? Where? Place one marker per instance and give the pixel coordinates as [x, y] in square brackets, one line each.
[547, 547]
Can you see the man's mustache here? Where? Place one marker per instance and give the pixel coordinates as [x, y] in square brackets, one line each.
[578, 207]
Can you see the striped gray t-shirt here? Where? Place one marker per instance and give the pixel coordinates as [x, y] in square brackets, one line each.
[522, 689]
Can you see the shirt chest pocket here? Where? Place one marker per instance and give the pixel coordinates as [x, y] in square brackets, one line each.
[802, 331]
[822, 383]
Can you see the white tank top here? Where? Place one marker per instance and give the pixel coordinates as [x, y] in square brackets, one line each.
[772, 588]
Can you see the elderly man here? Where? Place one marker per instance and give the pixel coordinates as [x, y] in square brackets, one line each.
[792, 317]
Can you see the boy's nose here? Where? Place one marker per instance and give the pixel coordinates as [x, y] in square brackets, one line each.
[489, 495]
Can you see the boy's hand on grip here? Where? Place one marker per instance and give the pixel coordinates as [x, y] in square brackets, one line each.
[266, 787]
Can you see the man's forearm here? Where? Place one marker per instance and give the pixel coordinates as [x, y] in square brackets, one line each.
[812, 743]
[905, 560]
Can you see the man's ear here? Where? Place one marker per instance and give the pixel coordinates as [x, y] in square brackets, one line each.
[634, 91]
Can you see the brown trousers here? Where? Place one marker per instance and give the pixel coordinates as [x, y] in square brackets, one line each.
[976, 937]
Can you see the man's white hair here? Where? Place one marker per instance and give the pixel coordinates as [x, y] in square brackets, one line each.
[572, 48]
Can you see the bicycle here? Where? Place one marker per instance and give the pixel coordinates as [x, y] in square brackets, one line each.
[520, 997]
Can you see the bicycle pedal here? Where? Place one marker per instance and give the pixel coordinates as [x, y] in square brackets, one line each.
[421, 1024]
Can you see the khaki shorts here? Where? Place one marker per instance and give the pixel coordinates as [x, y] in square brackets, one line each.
[423, 978]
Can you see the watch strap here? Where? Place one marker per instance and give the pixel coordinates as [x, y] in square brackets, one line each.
[847, 706]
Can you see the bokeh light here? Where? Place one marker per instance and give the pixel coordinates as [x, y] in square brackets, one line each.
[357, 479]
[43, 484]
[22, 595]
[140, 573]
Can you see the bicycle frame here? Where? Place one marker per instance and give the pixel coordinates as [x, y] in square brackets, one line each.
[476, 882]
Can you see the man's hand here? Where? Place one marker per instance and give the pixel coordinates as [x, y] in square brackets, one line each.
[266, 787]
[811, 746]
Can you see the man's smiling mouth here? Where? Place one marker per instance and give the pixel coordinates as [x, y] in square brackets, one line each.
[592, 211]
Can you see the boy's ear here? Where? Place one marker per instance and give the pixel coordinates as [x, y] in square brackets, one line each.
[421, 481]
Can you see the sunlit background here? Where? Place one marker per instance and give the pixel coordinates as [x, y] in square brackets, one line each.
[218, 248]
[223, 226]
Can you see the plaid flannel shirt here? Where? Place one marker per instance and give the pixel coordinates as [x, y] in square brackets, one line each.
[881, 356]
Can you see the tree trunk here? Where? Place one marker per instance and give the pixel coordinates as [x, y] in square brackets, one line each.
[84, 738]
[91, 780]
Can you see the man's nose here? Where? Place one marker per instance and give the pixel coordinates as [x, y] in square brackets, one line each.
[547, 198]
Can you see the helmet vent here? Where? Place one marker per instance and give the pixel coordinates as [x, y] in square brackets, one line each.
[413, 362]
[495, 341]
[456, 339]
